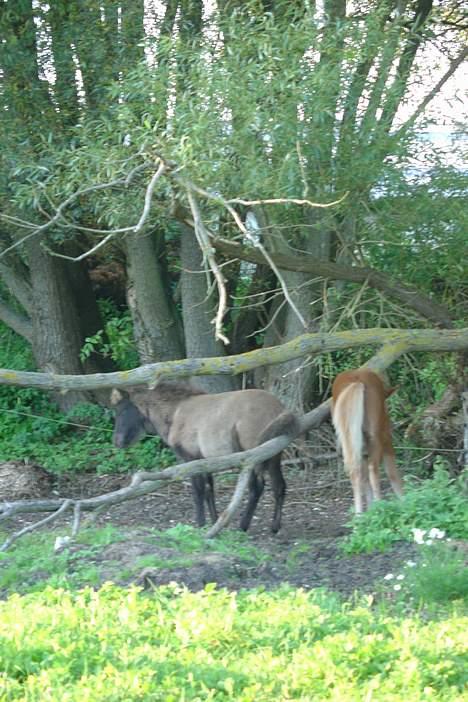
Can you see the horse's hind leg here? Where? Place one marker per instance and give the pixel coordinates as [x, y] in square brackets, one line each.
[256, 487]
[210, 497]
[392, 472]
[278, 485]
[198, 490]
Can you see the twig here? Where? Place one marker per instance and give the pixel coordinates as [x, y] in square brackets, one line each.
[65, 505]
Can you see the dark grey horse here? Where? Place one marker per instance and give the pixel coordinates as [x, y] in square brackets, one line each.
[200, 425]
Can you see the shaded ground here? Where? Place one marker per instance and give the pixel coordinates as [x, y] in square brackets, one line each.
[305, 553]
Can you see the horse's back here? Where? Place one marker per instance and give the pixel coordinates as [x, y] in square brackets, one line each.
[222, 423]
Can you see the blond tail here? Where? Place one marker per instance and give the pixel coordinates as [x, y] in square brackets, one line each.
[348, 420]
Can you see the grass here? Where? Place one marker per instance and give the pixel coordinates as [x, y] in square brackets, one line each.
[171, 645]
[32, 564]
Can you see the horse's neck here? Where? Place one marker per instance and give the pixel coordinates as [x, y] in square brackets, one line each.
[158, 409]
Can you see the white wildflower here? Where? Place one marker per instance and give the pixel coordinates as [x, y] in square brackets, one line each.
[397, 587]
[429, 542]
[400, 577]
[410, 564]
[436, 533]
[418, 535]
[389, 576]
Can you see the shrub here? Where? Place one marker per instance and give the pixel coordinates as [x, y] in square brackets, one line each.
[438, 500]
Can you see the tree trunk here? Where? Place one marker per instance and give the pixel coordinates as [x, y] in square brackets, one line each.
[198, 310]
[293, 382]
[155, 325]
[56, 326]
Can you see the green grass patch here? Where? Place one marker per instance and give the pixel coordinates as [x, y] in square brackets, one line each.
[32, 564]
[170, 645]
[190, 540]
[438, 502]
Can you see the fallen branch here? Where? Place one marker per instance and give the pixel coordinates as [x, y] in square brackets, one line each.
[394, 343]
[32, 527]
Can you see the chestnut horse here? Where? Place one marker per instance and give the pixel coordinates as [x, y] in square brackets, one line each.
[200, 425]
[363, 429]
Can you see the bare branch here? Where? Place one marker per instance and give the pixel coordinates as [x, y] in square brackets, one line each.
[87, 253]
[226, 517]
[203, 239]
[32, 527]
[124, 181]
[414, 298]
[286, 201]
[431, 94]
[265, 255]
[149, 195]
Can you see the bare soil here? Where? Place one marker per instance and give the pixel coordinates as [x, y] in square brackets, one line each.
[304, 553]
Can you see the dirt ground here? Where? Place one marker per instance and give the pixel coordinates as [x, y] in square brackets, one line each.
[304, 553]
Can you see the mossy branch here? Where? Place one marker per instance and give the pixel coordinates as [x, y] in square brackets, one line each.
[394, 343]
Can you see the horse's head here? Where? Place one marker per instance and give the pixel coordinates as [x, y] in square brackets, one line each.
[130, 423]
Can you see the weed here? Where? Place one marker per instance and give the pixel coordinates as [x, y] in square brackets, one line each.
[439, 500]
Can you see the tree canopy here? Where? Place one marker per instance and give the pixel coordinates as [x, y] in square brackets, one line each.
[226, 176]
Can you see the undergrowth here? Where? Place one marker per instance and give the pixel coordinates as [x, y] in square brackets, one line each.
[33, 428]
[253, 646]
[437, 502]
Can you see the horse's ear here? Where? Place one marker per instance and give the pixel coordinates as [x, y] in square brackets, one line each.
[116, 396]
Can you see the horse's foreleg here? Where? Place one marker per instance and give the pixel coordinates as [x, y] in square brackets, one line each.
[210, 497]
[256, 487]
[278, 485]
[198, 490]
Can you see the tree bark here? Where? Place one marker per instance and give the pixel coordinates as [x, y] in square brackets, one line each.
[56, 326]
[198, 310]
[155, 325]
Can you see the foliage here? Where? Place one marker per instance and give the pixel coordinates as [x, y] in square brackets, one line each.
[116, 340]
[64, 444]
[439, 500]
[437, 576]
[33, 428]
[120, 645]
